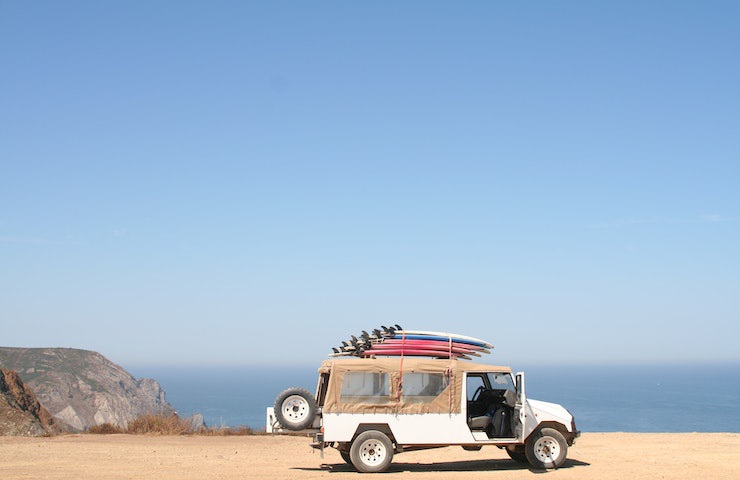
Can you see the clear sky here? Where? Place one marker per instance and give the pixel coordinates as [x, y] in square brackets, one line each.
[232, 182]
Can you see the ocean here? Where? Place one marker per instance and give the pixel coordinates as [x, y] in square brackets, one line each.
[647, 398]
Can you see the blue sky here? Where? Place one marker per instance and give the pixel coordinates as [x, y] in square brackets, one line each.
[241, 182]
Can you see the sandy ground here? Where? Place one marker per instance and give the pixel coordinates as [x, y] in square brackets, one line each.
[601, 456]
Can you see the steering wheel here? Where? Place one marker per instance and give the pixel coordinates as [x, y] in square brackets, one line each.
[477, 394]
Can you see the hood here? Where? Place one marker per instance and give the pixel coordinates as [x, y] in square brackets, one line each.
[550, 411]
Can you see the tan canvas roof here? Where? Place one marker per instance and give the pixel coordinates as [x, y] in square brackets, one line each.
[448, 401]
[408, 363]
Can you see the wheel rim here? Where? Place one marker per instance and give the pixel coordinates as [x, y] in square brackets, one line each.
[547, 450]
[295, 408]
[372, 452]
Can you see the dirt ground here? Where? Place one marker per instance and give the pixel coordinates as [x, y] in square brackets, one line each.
[595, 455]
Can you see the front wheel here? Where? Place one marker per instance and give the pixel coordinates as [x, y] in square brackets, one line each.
[517, 453]
[546, 449]
[372, 451]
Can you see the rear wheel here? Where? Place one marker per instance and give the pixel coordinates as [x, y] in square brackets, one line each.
[372, 451]
[345, 456]
[295, 408]
[546, 449]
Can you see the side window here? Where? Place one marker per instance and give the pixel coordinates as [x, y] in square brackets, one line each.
[422, 387]
[365, 387]
[501, 381]
[321, 388]
[474, 382]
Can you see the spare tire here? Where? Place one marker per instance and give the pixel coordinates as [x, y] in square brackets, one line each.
[295, 408]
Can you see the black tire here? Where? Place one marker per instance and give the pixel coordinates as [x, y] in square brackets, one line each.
[345, 456]
[546, 449]
[472, 448]
[371, 451]
[295, 408]
[517, 453]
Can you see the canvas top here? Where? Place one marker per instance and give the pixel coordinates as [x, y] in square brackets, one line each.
[391, 364]
[394, 385]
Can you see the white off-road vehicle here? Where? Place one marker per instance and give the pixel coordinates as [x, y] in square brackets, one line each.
[371, 408]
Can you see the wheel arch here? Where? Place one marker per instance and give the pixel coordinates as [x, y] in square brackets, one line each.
[380, 427]
[569, 436]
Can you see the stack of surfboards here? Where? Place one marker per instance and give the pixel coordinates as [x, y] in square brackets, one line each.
[395, 341]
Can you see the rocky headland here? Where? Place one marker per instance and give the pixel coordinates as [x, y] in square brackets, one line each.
[82, 388]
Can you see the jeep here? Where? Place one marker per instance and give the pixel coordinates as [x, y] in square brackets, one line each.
[372, 408]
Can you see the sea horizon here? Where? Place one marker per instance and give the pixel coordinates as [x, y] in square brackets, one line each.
[662, 397]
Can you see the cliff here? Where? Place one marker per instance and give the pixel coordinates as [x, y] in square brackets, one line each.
[20, 411]
[83, 388]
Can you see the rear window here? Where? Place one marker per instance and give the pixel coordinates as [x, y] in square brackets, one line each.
[365, 388]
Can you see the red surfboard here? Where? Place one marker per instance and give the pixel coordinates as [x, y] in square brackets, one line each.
[461, 347]
[413, 353]
[380, 349]
[416, 346]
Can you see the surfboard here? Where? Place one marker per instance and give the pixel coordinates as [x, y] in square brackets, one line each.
[457, 347]
[397, 351]
[444, 350]
[413, 353]
[422, 334]
[396, 336]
